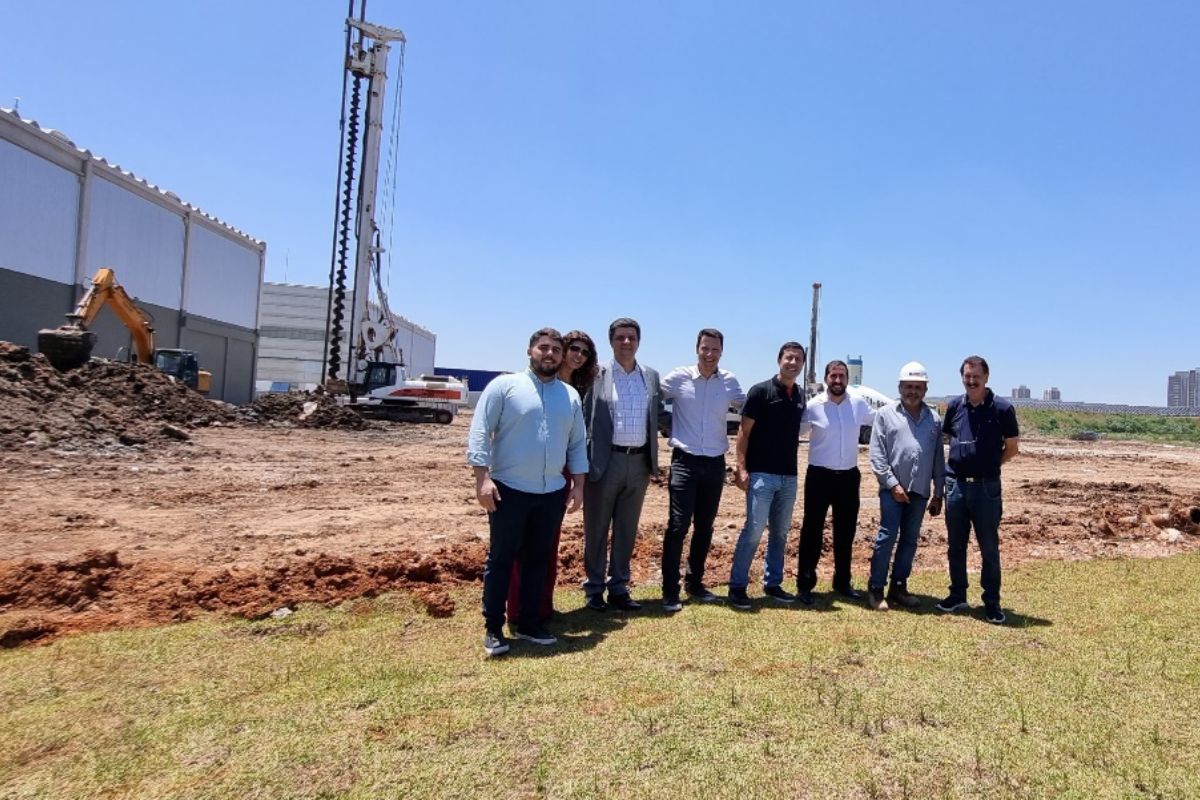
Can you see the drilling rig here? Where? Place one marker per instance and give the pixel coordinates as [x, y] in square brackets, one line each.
[373, 378]
[812, 387]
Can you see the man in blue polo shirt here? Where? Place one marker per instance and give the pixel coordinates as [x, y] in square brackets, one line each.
[766, 471]
[527, 427]
[982, 431]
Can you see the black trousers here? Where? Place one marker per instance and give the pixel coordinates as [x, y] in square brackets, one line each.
[522, 531]
[825, 488]
[695, 494]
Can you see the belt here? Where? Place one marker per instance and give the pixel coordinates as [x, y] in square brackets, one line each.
[681, 453]
[834, 471]
[620, 448]
[966, 479]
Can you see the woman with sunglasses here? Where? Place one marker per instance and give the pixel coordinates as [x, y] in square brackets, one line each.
[579, 368]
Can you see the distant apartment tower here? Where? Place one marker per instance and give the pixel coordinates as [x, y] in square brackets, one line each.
[855, 369]
[1021, 392]
[1183, 389]
[1051, 394]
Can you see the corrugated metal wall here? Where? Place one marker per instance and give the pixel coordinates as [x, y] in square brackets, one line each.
[39, 209]
[223, 279]
[140, 240]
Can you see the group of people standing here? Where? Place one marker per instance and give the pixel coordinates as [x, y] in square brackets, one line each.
[572, 432]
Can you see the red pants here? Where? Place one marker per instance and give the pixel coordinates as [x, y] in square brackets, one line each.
[514, 586]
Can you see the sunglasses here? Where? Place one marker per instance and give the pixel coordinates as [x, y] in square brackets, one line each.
[578, 348]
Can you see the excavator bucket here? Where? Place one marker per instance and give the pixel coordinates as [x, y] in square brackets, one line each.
[66, 347]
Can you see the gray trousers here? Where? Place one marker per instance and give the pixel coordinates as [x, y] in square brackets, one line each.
[615, 500]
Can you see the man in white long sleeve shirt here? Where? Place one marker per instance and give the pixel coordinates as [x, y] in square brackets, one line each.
[832, 479]
[701, 396]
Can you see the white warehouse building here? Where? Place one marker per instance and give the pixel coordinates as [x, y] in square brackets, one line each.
[291, 349]
[65, 213]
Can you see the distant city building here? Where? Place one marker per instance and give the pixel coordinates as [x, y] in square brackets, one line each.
[856, 370]
[1051, 394]
[1021, 392]
[1183, 389]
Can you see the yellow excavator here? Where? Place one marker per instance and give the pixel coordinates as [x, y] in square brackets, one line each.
[69, 346]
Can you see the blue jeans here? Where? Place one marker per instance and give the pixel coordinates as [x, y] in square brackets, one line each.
[770, 500]
[975, 504]
[896, 520]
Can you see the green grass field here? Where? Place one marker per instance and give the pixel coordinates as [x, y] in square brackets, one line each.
[1111, 426]
[1092, 691]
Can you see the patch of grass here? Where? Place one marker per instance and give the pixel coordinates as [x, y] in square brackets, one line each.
[1092, 691]
[1112, 426]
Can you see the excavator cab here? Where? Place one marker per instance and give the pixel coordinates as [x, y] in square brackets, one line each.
[179, 364]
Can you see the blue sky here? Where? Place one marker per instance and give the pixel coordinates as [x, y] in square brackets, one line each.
[1020, 180]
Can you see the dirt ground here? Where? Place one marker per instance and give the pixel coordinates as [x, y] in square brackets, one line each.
[248, 517]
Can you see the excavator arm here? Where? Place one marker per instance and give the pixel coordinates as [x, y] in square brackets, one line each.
[70, 345]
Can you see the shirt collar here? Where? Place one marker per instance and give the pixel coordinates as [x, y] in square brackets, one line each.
[694, 373]
[920, 417]
[778, 384]
[988, 399]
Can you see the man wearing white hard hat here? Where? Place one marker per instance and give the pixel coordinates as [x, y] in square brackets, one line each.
[907, 459]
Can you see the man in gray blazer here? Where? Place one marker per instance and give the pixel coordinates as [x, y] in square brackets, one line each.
[621, 411]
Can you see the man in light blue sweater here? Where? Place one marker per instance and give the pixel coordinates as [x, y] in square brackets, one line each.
[907, 458]
[527, 427]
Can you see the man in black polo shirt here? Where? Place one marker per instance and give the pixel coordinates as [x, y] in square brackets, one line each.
[766, 471]
[982, 431]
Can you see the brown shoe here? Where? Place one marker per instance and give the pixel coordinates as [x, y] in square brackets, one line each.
[875, 599]
[899, 595]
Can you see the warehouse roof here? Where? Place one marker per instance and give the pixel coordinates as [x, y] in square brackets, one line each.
[60, 141]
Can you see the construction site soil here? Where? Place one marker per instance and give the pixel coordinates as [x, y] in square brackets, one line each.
[128, 500]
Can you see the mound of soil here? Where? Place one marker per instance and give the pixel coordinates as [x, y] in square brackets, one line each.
[100, 405]
[307, 410]
[99, 591]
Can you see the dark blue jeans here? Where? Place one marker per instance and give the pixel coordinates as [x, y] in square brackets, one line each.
[975, 504]
[522, 530]
[695, 495]
[898, 522]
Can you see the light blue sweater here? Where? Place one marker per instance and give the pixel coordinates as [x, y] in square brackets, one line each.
[525, 430]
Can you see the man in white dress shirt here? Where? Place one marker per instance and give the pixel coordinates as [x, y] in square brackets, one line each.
[832, 480]
[701, 396]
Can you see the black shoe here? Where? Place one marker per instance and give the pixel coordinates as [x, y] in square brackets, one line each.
[951, 604]
[898, 595]
[537, 635]
[804, 596]
[494, 644]
[596, 603]
[875, 599]
[700, 593]
[993, 613]
[780, 594]
[671, 603]
[623, 602]
[739, 599]
[849, 592]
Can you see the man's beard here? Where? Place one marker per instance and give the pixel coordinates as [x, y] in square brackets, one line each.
[837, 390]
[542, 369]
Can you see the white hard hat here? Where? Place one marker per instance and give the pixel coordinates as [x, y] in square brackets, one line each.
[914, 371]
